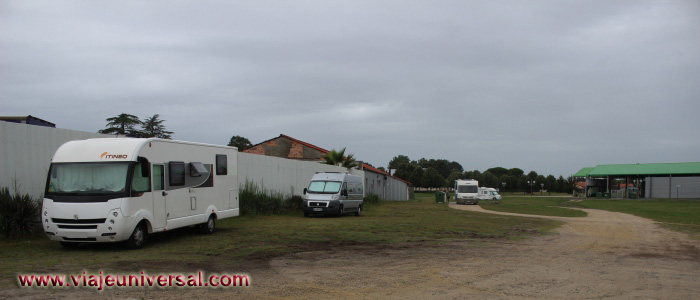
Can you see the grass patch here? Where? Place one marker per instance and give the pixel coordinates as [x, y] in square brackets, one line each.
[239, 242]
[677, 214]
[544, 206]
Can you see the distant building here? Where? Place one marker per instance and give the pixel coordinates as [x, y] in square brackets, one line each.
[376, 181]
[31, 120]
[657, 180]
[288, 147]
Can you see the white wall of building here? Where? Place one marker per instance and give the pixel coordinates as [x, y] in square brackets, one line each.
[287, 176]
[26, 152]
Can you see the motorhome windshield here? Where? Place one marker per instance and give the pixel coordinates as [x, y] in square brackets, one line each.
[467, 189]
[87, 178]
[324, 187]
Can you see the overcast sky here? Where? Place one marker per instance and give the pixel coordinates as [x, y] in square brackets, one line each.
[549, 86]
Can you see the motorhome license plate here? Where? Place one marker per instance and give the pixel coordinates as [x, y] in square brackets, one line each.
[318, 209]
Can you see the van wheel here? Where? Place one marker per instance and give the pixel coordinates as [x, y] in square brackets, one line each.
[210, 225]
[359, 211]
[138, 237]
[340, 211]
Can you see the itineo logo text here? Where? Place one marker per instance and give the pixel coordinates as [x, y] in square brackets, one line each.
[106, 155]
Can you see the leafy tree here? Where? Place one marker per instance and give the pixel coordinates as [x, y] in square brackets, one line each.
[398, 160]
[498, 171]
[489, 180]
[551, 184]
[455, 166]
[532, 174]
[432, 179]
[516, 172]
[450, 181]
[404, 171]
[338, 158]
[416, 177]
[122, 124]
[240, 142]
[382, 169]
[153, 127]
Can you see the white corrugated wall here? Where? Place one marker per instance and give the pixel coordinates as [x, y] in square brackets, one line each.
[26, 152]
[283, 175]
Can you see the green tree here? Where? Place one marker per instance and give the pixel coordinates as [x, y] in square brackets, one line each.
[239, 142]
[416, 177]
[551, 184]
[398, 161]
[338, 158]
[404, 171]
[122, 124]
[450, 181]
[498, 171]
[455, 166]
[432, 179]
[153, 127]
[516, 172]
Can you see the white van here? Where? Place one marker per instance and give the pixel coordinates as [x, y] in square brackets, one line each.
[466, 191]
[488, 194]
[122, 189]
[334, 194]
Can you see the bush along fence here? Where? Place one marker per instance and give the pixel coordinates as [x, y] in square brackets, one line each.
[257, 200]
[19, 214]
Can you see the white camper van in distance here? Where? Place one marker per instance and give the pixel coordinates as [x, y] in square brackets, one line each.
[466, 191]
[488, 194]
[334, 194]
[122, 189]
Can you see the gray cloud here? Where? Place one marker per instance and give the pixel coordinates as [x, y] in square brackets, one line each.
[548, 86]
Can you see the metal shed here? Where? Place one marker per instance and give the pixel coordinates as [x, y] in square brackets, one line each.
[656, 180]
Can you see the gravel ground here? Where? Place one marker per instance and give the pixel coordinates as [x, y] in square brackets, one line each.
[606, 255]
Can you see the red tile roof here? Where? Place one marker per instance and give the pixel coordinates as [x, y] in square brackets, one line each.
[324, 151]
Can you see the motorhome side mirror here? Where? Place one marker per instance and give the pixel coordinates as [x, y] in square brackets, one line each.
[344, 192]
[145, 167]
[304, 191]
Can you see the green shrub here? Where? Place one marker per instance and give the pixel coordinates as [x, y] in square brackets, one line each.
[19, 214]
[294, 202]
[372, 199]
[256, 199]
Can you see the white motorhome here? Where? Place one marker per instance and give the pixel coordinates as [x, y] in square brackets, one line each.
[122, 189]
[488, 194]
[466, 191]
[334, 194]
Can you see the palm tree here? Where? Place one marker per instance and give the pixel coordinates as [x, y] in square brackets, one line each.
[338, 158]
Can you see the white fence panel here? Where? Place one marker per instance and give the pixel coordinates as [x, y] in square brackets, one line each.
[26, 152]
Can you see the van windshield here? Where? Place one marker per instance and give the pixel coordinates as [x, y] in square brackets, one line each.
[87, 178]
[467, 189]
[324, 187]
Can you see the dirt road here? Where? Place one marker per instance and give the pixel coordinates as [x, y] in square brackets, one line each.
[606, 255]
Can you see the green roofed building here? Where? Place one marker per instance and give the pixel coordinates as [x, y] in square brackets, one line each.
[659, 180]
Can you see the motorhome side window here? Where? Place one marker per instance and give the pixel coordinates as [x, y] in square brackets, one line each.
[176, 171]
[139, 183]
[221, 164]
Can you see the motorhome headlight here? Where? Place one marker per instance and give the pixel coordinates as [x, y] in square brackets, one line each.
[115, 214]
